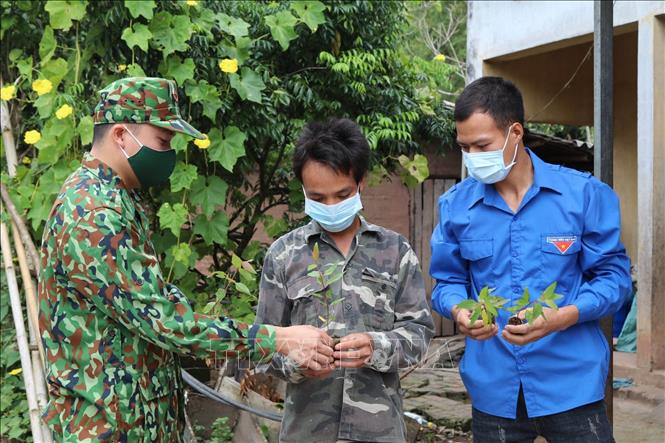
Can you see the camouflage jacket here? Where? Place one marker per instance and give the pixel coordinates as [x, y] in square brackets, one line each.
[110, 324]
[383, 294]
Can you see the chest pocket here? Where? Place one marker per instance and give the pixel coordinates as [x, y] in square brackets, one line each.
[476, 249]
[377, 299]
[306, 296]
[562, 245]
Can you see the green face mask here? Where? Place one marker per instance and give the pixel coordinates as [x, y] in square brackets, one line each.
[151, 167]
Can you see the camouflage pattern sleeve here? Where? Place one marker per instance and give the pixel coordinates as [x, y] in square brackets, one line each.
[407, 343]
[115, 267]
[274, 309]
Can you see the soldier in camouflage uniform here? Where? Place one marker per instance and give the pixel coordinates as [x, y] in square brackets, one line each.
[111, 325]
[379, 305]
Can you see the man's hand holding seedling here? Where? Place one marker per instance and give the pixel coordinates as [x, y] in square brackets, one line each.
[533, 321]
[476, 329]
[551, 320]
[477, 319]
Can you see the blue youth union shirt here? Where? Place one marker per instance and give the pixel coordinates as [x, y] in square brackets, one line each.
[567, 230]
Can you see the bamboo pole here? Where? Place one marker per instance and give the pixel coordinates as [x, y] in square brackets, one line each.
[30, 297]
[24, 351]
[8, 137]
[33, 257]
[36, 347]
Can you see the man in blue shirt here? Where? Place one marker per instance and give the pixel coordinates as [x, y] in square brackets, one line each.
[520, 222]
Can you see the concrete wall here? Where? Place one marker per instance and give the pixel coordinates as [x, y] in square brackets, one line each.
[499, 28]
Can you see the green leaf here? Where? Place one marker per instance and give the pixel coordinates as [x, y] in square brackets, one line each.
[315, 252]
[138, 35]
[310, 12]
[135, 70]
[170, 33]
[181, 253]
[240, 51]
[172, 218]
[242, 288]
[183, 176]
[538, 311]
[209, 193]
[275, 226]
[140, 7]
[282, 28]
[475, 314]
[311, 267]
[236, 261]
[467, 304]
[44, 105]
[237, 27]
[47, 45]
[212, 230]
[175, 68]
[549, 291]
[55, 70]
[207, 95]
[24, 66]
[418, 167]
[486, 318]
[62, 12]
[229, 149]
[179, 142]
[86, 130]
[57, 136]
[248, 85]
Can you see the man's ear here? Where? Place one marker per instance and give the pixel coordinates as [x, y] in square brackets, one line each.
[117, 134]
[363, 182]
[518, 130]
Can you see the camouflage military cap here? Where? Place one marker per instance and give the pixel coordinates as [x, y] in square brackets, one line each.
[143, 100]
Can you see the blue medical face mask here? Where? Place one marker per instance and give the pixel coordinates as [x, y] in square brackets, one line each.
[489, 167]
[337, 217]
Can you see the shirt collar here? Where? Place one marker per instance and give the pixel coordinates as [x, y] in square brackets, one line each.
[102, 171]
[542, 178]
[313, 228]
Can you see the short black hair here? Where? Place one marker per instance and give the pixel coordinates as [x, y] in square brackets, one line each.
[492, 95]
[99, 132]
[338, 143]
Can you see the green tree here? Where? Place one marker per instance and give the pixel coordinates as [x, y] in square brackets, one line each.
[251, 75]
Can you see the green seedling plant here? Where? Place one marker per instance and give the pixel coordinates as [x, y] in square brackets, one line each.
[534, 309]
[325, 276]
[486, 307]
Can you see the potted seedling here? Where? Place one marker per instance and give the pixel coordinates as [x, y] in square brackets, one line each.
[325, 276]
[485, 308]
[547, 297]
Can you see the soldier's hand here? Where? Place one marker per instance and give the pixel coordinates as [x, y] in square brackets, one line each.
[476, 330]
[353, 351]
[308, 346]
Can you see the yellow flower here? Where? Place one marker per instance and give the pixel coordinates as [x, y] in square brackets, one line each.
[192, 2]
[31, 137]
[26, 160]
[122, 68]
[64, 112]
[203, 144]
[7, 92]
[15, 371]
[229, 65]
[440, 58]
[42, 86]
